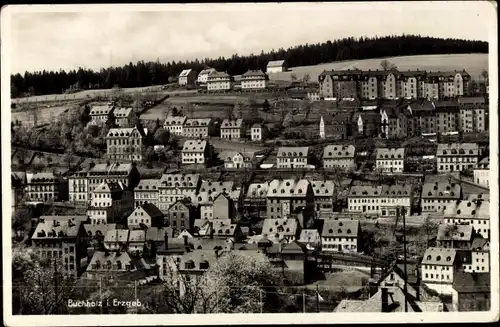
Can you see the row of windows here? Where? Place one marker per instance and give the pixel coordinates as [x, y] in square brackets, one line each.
[437, 276]
[333, 246]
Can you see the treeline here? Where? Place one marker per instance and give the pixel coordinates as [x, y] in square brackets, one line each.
[155, 73]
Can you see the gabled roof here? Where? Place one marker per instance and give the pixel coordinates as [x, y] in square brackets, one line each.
[122, 112]
[175, 120]
[82, 218]
[460, 233]
[185, 72]
[196, 257]
[207, 71]
[257, 190]
[228, 156]
[197, 122]
[480, 244]
[441, 190]
[194, 146]
[323, 188]
[102, 229]
[309, 236]
[110, 187]
[53, 229]
[147, 185]
[179, 180]
[365, 191]
[215, 75]
[439, 256]
[288, 188]
[254, 73]
[102, 257]
[390, 153]
[396, 190]
[232, 123]
[116, 235]
[275, 63]
[110, 168]
[293, 152]
[339, 151]
[137, 235]
[214, 188]
[125, 132]
[157, 234]
[468, 210]
[340, 228]
[281, 227]
[471, 100]
[464, 282]
[151, 210]
[100, 110]
[294, 247]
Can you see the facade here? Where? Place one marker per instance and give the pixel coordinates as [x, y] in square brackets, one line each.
[187, 77]
[110, 201]
[195, 152]
[116, 239]
[455, 236]
[254, 80]
[259, 132]
[394, 122]
[237, 160]
[276, 66]
[136, 242]
[42, 187]
[232, 129]
[438, 268]
[99, 114]
[223, 207]
[110, 264]
[475, 213]
[448, 116]
[125, 144]
[124, 173]
[63, 241]
[147, 215]
[366, 124]
[181, 214]
[339, 84]
[423, 119]
[124, 117]
[293, 157]
[390, 159]
[473, 114]
[364, 199]
[311, 238]
[438, 196]
[480, 256]
[78, 187]
[147, 191]
[203, 76]
[471, 292]
[396, 197]
[482, 172]
[324, 192]
[339, 156]
[284, 197]
[457, 156]
[256, 198]
[198, 127]
[175, 187]
[341, 235]
[175, 124]
[220, 81]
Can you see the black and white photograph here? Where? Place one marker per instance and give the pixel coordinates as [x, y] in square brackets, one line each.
[234, 163]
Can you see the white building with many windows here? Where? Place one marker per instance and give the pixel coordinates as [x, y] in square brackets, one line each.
[473, 212]
[438, 196]
[293, 157]
[174, 187]
[203, 76]
[175, 124]
[390, 160]
[254, 80]
[220, 81]
[456, 156]
[195, 152]
[147, 191]
[364, 199]
[340, 156]
[110, 202]
[482, 172]
[340, 235]
[438, 267]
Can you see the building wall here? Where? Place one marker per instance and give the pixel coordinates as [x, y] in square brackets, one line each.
[78, 189]
[390, 165]
[219, 85]
[368, 205]
[179, 216]
[221, 208]
[340, 163]
[124, 148]
[455, 163]
[231, 133]
[275, 69]
[256, 134]
[198, 131]
[439, 278]
[480, 262]
[287, 162]
[254, 84]
[339, 244]
[482, 176]
[174, 129]
[170, 195]
[436, 205]
[193, 157]
[142, 197]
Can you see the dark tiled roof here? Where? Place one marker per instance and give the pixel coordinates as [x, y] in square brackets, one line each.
[472, 283]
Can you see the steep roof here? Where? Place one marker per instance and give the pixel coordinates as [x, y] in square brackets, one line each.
[194, 146]
[175, 120]
[339, 151]
[294, 247]
[454, 149]
[461, 233]
[100, 110]
[147, 185]
[124, 132]
[196, 257]
[122, 112]
[102, 229]
[157, 234]
[179, 180]
[323, 188]
[471, 100]
[197, 122]
[464, 282]
[56, 229]
[232, 123]
[207, 71]
[113, 168]
[114, 257]
[288, 188]
[396, 190]
[309, 236]
[439, 256]
[365, 191]
[151, 210]
[468, 210]
[257, 190]
[340, 228]
[390, 153]
[185, 72]
[281, 226]
[293, 151]
[116, 235]
[441, 190]
[254, 73]
[82, 218]
[480, 244]
[215, 75]
[275, 63]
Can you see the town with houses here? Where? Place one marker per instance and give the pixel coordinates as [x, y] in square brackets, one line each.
[400, 157]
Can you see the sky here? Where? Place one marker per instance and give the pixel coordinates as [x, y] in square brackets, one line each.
[94, 36]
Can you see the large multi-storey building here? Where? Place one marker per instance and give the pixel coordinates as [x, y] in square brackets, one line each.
[438, 196]
[232, 129]
[364, 199]
[482, 172]
[390, 159]
[187, 77]
[175, 124]
[457, 156]
[254, 80]
[125, 144]
[78, 187]
[447, 116]
[473, 116]
[382, 201]
[285, 196]
[341, 235]
[475, 213]
[181, 214]
[438, 267]
[292, 157]
[237, 160]
[125, 117]
[198, 127]
[394, 122]
[147, 191]
[45, 186]
[195, 152]
[340, 84]
[323, 195]
[412, 84]
[340, 156]
[281, 229]
[175, 187]
[63, 241]
[423, 118]
[110, 202]
[99, 114]
[203, 76]
[125, 173]
[220, 81]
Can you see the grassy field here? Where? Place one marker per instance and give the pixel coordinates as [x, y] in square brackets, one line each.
[473, 63]
[45, 114]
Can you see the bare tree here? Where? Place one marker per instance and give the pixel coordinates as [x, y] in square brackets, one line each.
[387, 65]
[484, 75]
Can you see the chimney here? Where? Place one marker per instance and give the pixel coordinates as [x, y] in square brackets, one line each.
[385, 299]
[166, 239]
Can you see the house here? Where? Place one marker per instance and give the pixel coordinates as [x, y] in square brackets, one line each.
[175, 124]
[452, 83]
[256, 198]
[339, 156]
[198, 127]
[78, 186]
[437, 196]
[294, 262]
[254, 80]
[455, 236]
[323, 195]
[193, 265]
[126, 144]
[471, 292]
[339, 127]
[187, 77]
[195, 152]
[482, 172]
[473, 114]
[394, 198]
[390, 159]
[45, 186]
[125, 173]
[448, 116]
[276, 66]
[181, 214]
[293, 157]
[147, 191]
[311, 238]
[174, 187]
[281, 228]
[365, 199]
[313, 95]
[203, 76]
[394, 122]
[62, 240]
[412, 84]
[366, 124]
[423, 119]
[457, 156]
[209, 190]
[223, 207]
[474, 212]
[237, 160]
[146, 215]
[340, 84]
[95, 234]
[480, 256]
[99, 114]
[232, 129]
[259, 132]
[438, 268]
[125, 117]
[220, 81]
[221, 229]
[341, 235]
[116, 239]
[136, 242]
[110, 201]
[285, 196]
[117, 265]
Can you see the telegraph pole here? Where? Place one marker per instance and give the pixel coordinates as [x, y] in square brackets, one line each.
[55, 285]
[404, 254]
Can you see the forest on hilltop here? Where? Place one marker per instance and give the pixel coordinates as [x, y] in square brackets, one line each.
[157, 73]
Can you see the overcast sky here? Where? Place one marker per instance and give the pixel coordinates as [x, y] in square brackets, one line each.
[99, 36]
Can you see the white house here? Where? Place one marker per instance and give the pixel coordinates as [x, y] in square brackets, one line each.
[236, 160]
[187, 77]
[390, 160]
[110, 201]
[195, 152]
[457, 156]
[340, 235]
[220, 81]
[438, 268]
[276, 66]
[292, 157]
[203, 76]
[258, 132]
[254, 80]
[175, 124]
[482, 172]
[340, 156]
